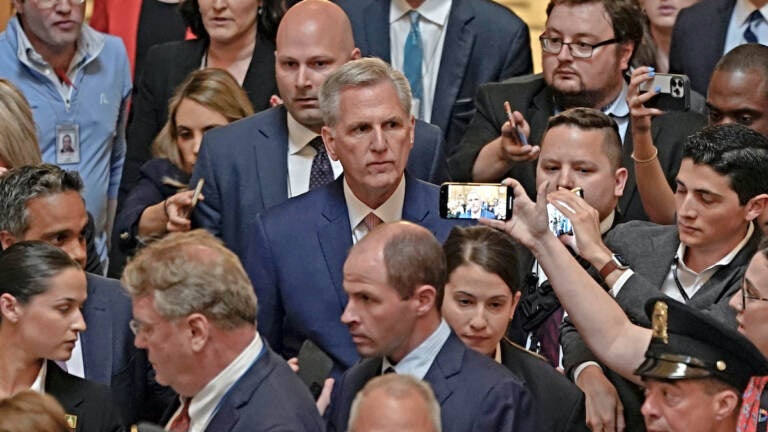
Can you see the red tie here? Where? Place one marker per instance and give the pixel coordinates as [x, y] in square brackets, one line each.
[371, 221]
[181, 422]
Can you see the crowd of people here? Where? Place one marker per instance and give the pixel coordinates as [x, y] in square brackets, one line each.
[225, 215]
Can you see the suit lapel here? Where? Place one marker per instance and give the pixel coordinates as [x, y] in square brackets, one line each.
[447, 364]
[415, 208]
[630, 187]
[59, 385]
[334, 235]
[189, 58]
[541, 108]
[97, 356]
[459, 39]
[271, 150]
[376, 26]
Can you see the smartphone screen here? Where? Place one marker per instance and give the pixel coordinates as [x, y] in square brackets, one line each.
[559, 223]
[475, 201]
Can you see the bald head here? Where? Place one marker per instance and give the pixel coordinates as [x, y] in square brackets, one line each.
[313, 40]
[411, 255]
[395, 403]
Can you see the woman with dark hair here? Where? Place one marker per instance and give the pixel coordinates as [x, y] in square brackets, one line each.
[235, 35]
[480, 299]
[41, 295]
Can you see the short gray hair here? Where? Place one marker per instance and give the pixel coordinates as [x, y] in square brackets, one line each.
[22, 184]
[398, 386]
[193, 272]
[361, 73]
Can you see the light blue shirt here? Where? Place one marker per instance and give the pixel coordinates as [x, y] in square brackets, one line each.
[417, 362]
[738, 24]
[96, 104]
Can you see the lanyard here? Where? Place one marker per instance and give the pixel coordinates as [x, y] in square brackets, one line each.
[685, 296]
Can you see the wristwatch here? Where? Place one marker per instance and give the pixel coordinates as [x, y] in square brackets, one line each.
[617, 262]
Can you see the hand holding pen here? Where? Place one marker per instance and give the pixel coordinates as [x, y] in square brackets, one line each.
[514, 142]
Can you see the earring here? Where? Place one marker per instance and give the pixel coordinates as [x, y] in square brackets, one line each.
[260, 10]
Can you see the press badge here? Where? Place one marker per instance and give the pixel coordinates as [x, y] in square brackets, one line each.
[67, 143]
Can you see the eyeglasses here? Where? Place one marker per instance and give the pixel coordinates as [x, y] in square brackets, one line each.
[582, 50]
[746, 296]
[137, 327]
[47, 4]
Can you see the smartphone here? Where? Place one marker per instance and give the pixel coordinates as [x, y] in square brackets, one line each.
[196, 195]
[559, 223]
[314, 367]
[674, 92]
[475, 200]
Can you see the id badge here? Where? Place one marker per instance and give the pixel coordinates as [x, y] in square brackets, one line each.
[67, 143]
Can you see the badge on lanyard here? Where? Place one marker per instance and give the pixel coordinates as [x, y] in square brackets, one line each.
[67, 143]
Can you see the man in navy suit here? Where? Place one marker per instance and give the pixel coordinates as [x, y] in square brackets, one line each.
[465, 43]
[195, 313]
[261, 161]
[726, 23]
[44, 203]
[298, 248]
[395, 280]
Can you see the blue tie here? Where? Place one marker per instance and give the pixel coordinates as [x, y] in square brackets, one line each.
[413, 54]
[754, 19]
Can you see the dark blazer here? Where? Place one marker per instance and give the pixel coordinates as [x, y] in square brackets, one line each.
[245, 167]
[149, 190]
[558, 403]
[295, 261]
[165, 67]
[692, 54]
[533, 97]
[109, 356]
[650, 250]
[474, 52]
[268, 397]
[474, 392]
[91, 403]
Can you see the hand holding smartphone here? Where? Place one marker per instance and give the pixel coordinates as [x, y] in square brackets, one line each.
[673, 92]
[196, 195]
[511, 118]
[475, 201]
[559, 223]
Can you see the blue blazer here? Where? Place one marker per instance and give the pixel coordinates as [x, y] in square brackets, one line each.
[109, 356]
[296, 259]
[484, 42]
[245, 167]
[268, 397]
[692, 54]
[475, 393]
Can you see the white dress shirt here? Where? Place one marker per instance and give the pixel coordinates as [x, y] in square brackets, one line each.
[39, 384]
[390, 211]
[205, 403]
[738, 24]
[300, 156]
[417, 362]
[432, 26]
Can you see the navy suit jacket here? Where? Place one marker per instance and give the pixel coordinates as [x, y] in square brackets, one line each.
[474, 392]
[295, 262]
[268, 397]
[109, 356]
[91, 403]
[245, 167]
[484, 42]
[692, 54]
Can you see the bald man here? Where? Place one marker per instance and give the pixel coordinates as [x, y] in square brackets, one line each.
[254, 164]
[395, 402]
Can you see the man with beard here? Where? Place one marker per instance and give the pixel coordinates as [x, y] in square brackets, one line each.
[586, 47]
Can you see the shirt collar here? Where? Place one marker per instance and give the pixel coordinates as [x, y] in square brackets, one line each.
[743, 8]
[726, 260]
[39, 384]
[204, 404]
[618, 108]
[418, 361]
[435, 11]
[607, 223]
[298, 135]
[390, 211]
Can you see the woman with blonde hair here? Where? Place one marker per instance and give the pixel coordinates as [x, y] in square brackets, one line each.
[208, 98]
[18, 138]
